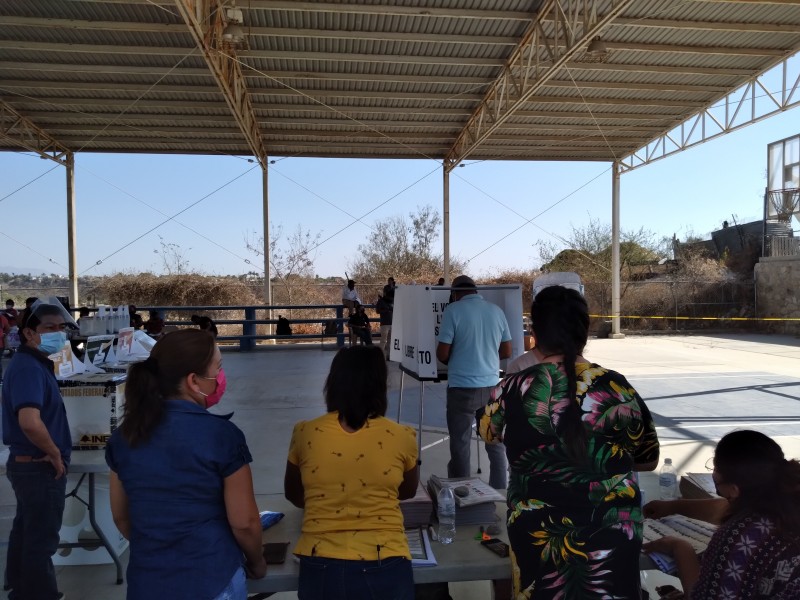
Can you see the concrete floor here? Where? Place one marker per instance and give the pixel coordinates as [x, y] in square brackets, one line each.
[697, 387]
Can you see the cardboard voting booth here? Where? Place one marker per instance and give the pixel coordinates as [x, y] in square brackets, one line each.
[418, 311]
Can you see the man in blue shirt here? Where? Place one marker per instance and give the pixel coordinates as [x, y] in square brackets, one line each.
[473, 337]
[36, 430]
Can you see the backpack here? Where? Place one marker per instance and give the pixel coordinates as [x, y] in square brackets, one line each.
[283, 327]
[329, 327]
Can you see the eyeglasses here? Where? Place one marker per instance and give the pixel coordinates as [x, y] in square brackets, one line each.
[710, 464]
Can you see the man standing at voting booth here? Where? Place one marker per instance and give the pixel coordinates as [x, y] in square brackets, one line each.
[473, 336]
[36, 430]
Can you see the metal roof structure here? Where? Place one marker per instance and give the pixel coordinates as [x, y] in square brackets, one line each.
[604, 80]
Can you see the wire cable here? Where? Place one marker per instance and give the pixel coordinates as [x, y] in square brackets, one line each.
[162, 213]
[152, 229]
[27, 184]
[530, 221]
[24, 245]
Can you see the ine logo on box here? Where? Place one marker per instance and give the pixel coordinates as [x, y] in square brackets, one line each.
[94, 439]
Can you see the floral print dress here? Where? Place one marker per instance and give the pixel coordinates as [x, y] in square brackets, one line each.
[748, 559]
[575, 526]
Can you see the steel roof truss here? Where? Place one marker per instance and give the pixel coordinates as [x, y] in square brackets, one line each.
[535, 60]
[20, 130]
[205, 22]
[736, 110]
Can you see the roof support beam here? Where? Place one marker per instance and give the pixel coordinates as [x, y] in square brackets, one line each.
[333, 34]
[117, 86]
[750, 103]
[708, 25]
[21, 131]
[205, 21]
[554, 47]
[573, 25]
[110, 69]
[360, 9]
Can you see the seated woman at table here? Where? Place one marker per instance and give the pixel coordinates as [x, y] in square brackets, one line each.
[574, 434]
[181, 488]
[348, 469]
[755, 554]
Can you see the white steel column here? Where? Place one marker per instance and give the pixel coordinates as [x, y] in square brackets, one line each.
[71, 232]
[615, 263]
[446, 223]
[265, 212]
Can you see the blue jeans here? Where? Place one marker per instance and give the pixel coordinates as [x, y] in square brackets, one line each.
[335, 579]
[462, 403]
[236, 589]
[34, 533]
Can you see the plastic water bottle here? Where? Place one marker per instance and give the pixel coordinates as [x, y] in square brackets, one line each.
[447, 515]
[668, 481]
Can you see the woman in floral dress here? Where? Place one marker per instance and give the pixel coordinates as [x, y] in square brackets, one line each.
[574, 434]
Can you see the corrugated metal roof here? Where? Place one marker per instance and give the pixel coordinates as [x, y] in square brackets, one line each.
[377, 78]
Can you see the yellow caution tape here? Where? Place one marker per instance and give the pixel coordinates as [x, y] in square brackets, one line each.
[682, 318]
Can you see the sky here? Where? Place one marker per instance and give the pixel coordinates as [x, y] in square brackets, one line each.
[122, 201]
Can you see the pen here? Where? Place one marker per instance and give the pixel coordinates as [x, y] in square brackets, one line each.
[432, 534]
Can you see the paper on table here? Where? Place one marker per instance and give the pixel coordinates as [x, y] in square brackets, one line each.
[420, 547]
[479, 490]
[697, 533]
[652, 578]
[63, 362]
[702, 482]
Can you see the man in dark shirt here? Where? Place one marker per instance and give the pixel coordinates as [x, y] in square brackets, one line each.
[36, 430]
[385, 310]
[359, 324]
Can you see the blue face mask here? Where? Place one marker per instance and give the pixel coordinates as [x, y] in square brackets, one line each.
[52, 342]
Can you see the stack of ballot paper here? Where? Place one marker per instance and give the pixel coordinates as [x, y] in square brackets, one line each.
[417, 511]
[478, 506]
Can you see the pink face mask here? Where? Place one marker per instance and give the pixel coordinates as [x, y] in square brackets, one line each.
[214, 397]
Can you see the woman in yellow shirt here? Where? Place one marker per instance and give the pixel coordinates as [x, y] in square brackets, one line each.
[348, 470]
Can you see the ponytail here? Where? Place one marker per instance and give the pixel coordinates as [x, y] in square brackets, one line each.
[144, 406]
[560, 321]
[571, 423]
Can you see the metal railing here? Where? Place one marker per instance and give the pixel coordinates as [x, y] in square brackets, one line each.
[783, 246]
[257, 322]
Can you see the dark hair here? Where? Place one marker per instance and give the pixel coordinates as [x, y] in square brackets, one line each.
[206, 323]
[9, 301]
[158, 378]
[768, 483]
[32, 321]
[560, 322]
[356, 385]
